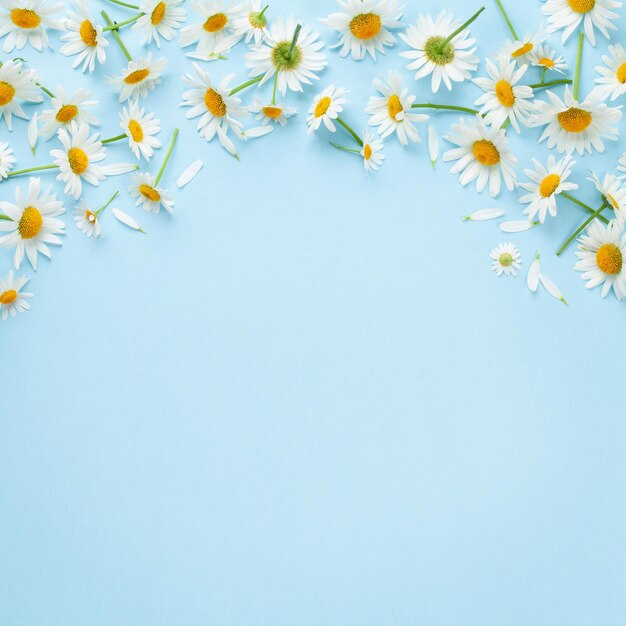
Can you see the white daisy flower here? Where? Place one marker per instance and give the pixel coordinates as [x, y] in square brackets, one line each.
[84, 38]
[573, 126]
[568, 15]
[250, 23]
[7, 160]
[25, 21]
[271, 113]
[87, 220]
[296, 63]
[140, 128]
[504, 99]
[482, 155]
[601, 254]
[365, 26]
[546, 184]
[613, 192]
[66, 110]
[213, 34]
[432, 53]
[391, 112]
[16, 84]
[547, 59]
[161, 18]
[612, 81]
[522, 50]
[372, 152]
[12, 298]
[138, 78]
[149, 196]
[326, 107]
[506, 259]
[33, 222]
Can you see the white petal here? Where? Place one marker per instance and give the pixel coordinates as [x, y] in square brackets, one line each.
[484, 214]
[532, 279]
[33, 132]
[190, 173]
[552, 289]
[257, 131]
[127, 220]
[433, 144]
[116, 169]
[517, 226]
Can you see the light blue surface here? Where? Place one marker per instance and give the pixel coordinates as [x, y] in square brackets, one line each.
[305, 399]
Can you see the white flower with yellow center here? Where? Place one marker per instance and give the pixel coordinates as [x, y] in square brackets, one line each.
[522, 50]
[432, 53]
[138, 78]
[12, 298]
[87, 220]
[601, 253]
[365, 26]
[140, 128]
[149, 196]
[213, 34]
[33, 224]
[372, 152]
[161, 18]
[251, 22]
[482, 155]
[548, 59]
[7, 160]
[567, 15]
[506, 259]
[546, 184]
[573, 126]
[25, 21]
[613, 193]
[271, 113]
[612, 81]
[83, 38]
[504, 99]
[392, 112]
[326, 107]
[16, 84]
[66, 110]
[292, 52]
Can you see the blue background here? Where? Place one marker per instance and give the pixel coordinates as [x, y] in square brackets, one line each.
[305, 399]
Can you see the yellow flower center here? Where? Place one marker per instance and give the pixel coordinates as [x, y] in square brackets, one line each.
[30, 223]
[520, 52]
[90, 216]
[581, 6]
[394, 106]
[66, 113]
[8, 297]
[609, 259]
[549, 185]
[365, 25]
[367, 152]
[6, 93]
[621, 74]
[546, 62]
[272, 112]
[158, 14]
[322, 106]
[135, 130]
[575, 120]
[88, 34]
[25, 18]
[137, 76]
[150, 193]
[504, 93]
[215, 103]
[79, 161]
[215, 23]
[506, 260]
[486, 152]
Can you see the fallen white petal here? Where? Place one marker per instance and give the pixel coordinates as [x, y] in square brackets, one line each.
[533, 274]
[119, 168]
[517, 226]
[33, 132]
[257, 131]
[190, 173]
[226, 142]
[484, 214]
[552, 289]
[127, 220]
[433, 145]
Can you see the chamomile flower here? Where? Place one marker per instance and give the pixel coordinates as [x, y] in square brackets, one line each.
[521, 51]
[548, 59]
[506, 260]
[140, 128]
[432, 53]
[161, 18]
[567, 15]
[26, 21]
[149, 196]
[613, 192]
[12, 298]
[215, 28]
[612, 81]
[326, 107]
[138, 78]
[574, 126]
[251, 23]
[601, 254]
[84, 38]
[7, 160]
[33, 224]
[295, 66]
[16, 84]
[372, 152]
[365, 26]
[391, 112]
[482, 155]
[87, 220]
[66, 109]
[546, 184]
[505, 99]
[270, 113]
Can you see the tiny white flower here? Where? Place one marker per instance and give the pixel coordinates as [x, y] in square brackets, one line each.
[326, 107]
[7, 160]
[548, 59]
[12, 298]
[161, 18]
[138, 78]
[506, 259]
[272, 113]
[67, 109]
[149, 196]
[140, 128]
[372, 152]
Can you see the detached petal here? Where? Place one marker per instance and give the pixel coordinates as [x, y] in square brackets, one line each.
[127, 220]
[484, 214]
[552, 289]
[190, 173]
[534, 272]
[517, 226]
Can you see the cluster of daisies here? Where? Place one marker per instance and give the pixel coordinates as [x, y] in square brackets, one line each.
[283, 56]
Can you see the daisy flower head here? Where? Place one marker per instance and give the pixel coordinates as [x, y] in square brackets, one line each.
[251, 23]
[434, 54]
[505, 99]
[140, 128]
[573, 126]
[482, 155]
[521, 51]
[7, 160]
[12, 298]
[365, 26]
[612, 81]
[213, 34]
[372, 152]
[16, 84]
[546, 183]
[506, 259]
[161, 18]
[601, 253]
[33, 222]
[292, 52]
[83, 38]
[548, 59]
[25, 21]
[326, 107]
[613, 193]
[87, 220]
[149, 196]
[567, 15]
[138, 78]
[391, 112]
[270, 113]
[67, 109]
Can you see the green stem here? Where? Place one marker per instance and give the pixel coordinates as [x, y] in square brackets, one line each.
[543, 75]
[552, 83]
[167, 157]
[506, 123]
[119, 25]
[107, 204]
[275, 87]
[444, 107]
[461, 28]
[125, 4]
[247, 84]
[116, 35]
[38, 168]
[507, 20]
[262, 13]
[112, 139]
[581, 228]
[579, 60]
[335, 145]
[294, 41]
[583, 205]
[351, 131]
[5, 217]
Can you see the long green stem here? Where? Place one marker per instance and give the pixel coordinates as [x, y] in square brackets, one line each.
[579, 60]
[119, 25]
[275, 87]
[107, 204]
[294, 41]
[125, 4]
[120, 43]
[586, 207]
[247, 84]
[112, 139]
[581, 228]
[444, 107]
[167, 157]
[335, 145]
[461, 28]
[543, 75]
[355, 136]
[507, 20]
[38, 168]
[552, 83]
[261, 15]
